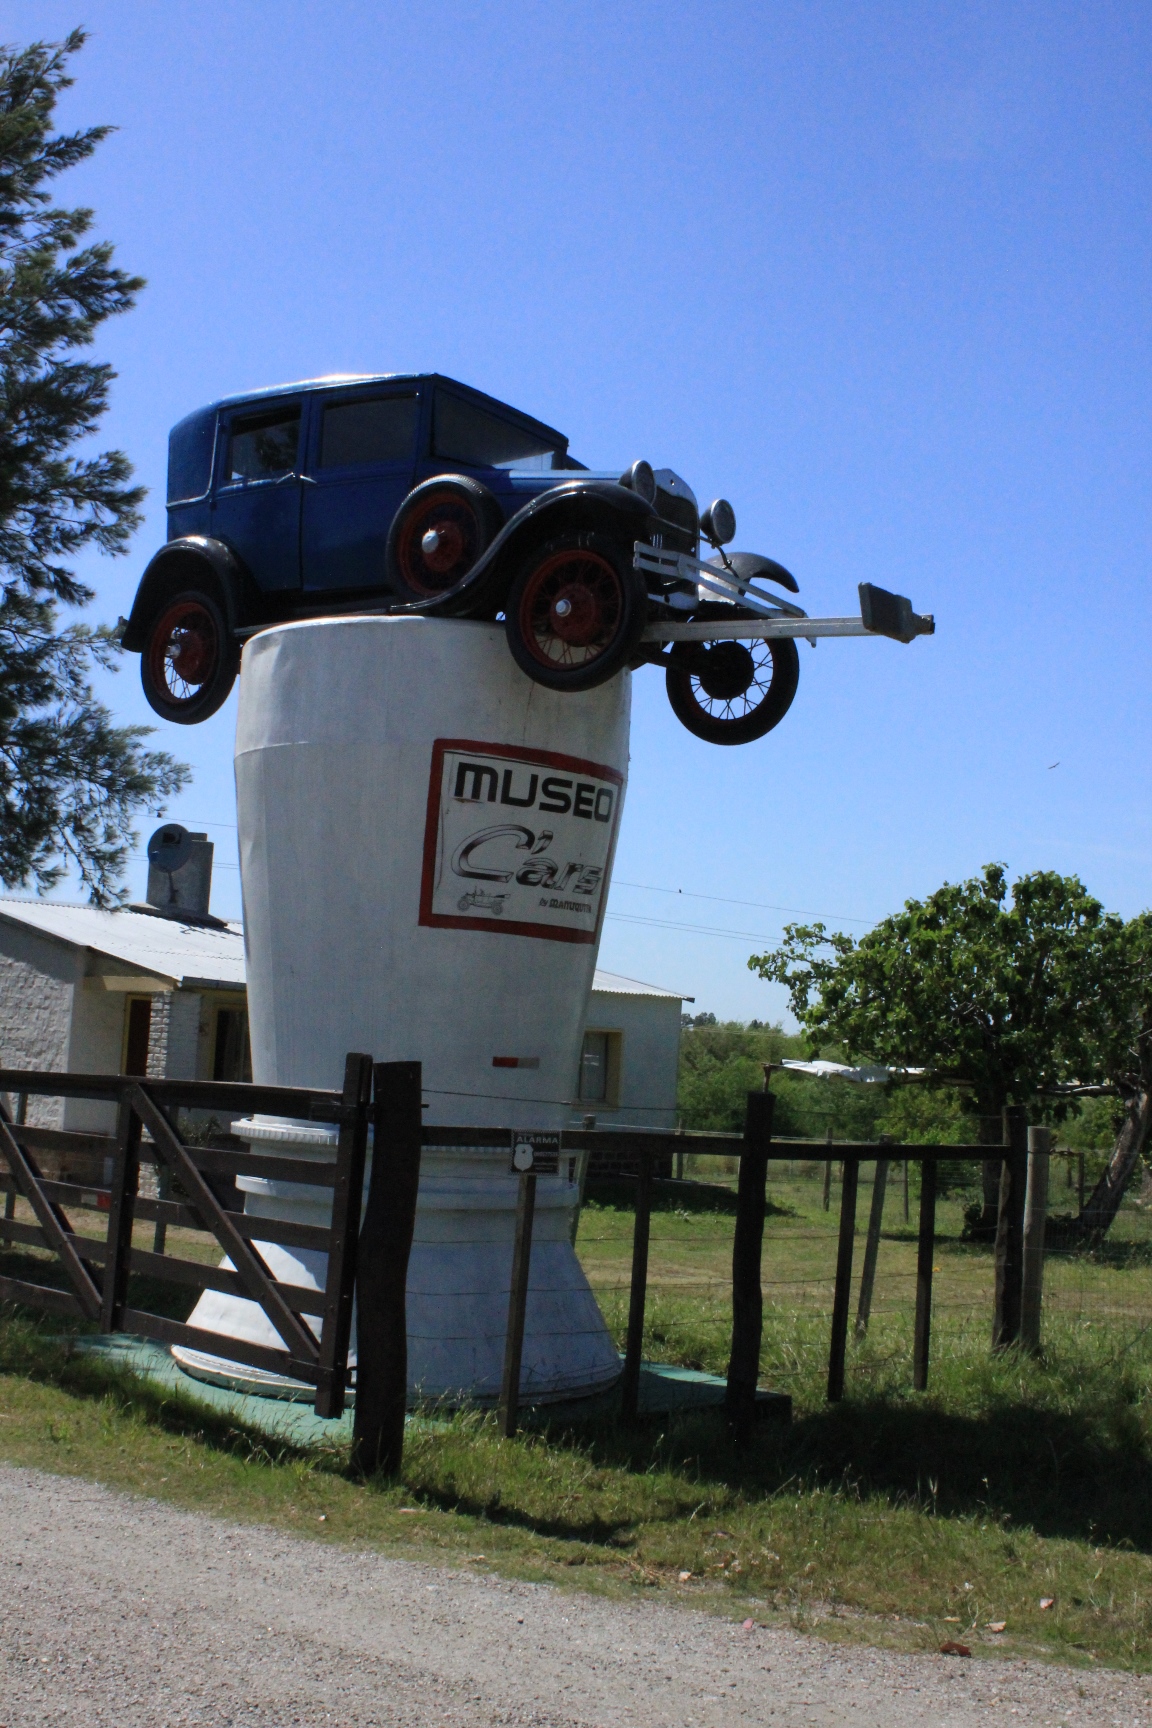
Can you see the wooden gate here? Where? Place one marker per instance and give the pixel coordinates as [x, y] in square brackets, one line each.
[97, 1263]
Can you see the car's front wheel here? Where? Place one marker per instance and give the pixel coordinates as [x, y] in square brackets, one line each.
[189, 661]
[575, 613]
[731, 692]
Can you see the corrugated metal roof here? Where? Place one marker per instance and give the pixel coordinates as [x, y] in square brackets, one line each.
[192, 953]
[613, 984]
[164, 947]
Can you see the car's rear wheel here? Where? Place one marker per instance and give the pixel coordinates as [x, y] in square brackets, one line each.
[576, 612]
[439, 532]
[729, 692]
[189, 660]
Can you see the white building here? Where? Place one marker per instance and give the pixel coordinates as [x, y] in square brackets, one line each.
[147, 990]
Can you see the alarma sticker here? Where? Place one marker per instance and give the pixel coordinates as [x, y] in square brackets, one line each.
[518, 841]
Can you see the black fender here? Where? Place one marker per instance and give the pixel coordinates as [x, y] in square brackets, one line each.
[754, 567]
[194, 561]
[575, 506]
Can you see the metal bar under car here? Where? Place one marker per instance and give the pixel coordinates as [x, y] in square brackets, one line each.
[746, 629]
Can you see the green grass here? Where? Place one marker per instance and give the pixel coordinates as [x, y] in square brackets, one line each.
[892, 1517]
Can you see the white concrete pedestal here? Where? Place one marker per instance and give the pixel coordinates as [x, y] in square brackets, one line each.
[426, 841]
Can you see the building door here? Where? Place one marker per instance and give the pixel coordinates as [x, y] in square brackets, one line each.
[137, 1033]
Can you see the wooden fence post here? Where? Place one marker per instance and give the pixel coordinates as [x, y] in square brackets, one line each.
[925, 1245]
[121, 1216]
[1010, 1229]
[842, 1299]
[630, 1379]
[747, 1249]
[872, 1246]
[382, 1271]
[517, 1304]
[20, 1119]
[1035, 1218]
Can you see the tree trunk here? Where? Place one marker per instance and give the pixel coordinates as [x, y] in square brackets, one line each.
[991, 1133]
[1103, 1203]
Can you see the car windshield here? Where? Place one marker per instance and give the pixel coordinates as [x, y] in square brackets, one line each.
[263, 446]
[465, 433]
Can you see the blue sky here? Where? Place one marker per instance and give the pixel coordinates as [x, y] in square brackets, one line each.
[878, 273]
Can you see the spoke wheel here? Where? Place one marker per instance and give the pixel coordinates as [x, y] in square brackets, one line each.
[732, 692]
[575, 613]
[439, 532]
[188, 664]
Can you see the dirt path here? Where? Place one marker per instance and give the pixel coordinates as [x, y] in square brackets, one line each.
[129, 1614]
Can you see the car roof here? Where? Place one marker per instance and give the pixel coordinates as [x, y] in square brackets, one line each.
[343, 380]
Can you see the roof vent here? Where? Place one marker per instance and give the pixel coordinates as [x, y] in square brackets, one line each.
[179, 872]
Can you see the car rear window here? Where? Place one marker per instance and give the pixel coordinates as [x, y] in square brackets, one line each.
[373, 429]
[262, 446]
[467, 434]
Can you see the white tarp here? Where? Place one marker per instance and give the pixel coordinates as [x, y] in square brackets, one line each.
[865, 1075]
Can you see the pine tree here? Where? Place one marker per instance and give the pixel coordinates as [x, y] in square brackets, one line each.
[70, 778]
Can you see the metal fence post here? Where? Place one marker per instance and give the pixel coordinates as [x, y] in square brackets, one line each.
[347, 1197]
[630, 1379]
[1035, 1218]
[747, 1250]
[382, 1271]
[842, 1298]
[1010, 1229]
[517, 1304]
[872, 1244]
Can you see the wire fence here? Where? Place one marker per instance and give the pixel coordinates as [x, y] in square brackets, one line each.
[1097, 1303]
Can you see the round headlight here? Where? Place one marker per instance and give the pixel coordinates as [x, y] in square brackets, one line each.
[718, 523]
[641, 480]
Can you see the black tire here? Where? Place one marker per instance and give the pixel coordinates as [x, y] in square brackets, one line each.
[465, 518]
[607, 608]
[190, 658]
[729, 692]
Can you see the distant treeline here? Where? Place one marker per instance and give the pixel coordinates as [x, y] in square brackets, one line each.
[722, 1061]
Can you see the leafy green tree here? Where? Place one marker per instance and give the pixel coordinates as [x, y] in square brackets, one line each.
[1124, 1061]
[1007, 996]
[70, 779]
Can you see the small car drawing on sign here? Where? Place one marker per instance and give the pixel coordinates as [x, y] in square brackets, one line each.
[417, 493]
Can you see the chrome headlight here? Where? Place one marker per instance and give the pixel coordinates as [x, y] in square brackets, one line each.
[641, 480]
[718, 523]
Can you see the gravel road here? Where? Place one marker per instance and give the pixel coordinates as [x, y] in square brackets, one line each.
[124, 1612]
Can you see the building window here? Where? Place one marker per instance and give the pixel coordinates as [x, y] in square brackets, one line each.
[231, 1052]
[600, 1068]
[137, 1034]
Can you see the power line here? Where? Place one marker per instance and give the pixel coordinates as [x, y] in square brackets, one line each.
[690, 929]
[761, 905]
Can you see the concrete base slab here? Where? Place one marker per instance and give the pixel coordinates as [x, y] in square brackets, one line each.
[665, 1390]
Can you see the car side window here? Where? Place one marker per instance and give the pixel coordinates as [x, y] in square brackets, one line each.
[263, 446]
[465, 433]
[372, 429]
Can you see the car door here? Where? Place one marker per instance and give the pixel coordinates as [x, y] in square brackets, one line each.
[256, 505]
[361, 456]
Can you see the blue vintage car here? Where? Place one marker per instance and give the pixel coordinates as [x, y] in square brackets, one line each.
[397, 493]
